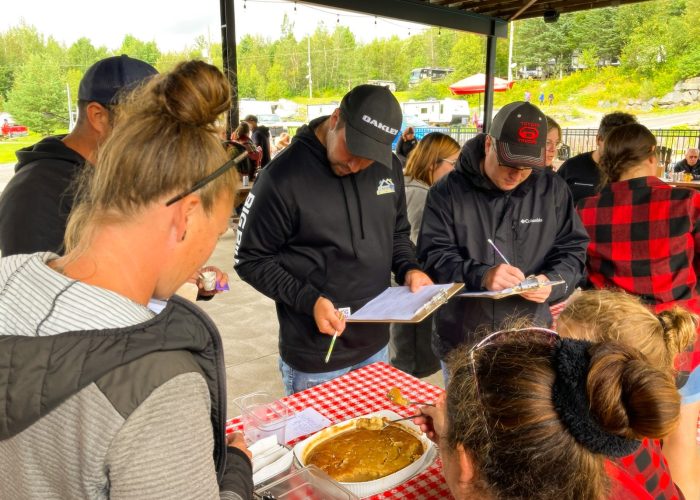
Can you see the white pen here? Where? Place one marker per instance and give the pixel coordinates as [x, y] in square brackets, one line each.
[498, 251]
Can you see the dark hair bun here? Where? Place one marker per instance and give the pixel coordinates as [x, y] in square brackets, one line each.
[628, 396]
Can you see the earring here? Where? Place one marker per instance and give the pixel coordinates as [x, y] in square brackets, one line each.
[183, 235]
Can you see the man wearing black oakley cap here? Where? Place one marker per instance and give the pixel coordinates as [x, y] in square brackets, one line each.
[34, 206]
[323, 229]
[500, 191]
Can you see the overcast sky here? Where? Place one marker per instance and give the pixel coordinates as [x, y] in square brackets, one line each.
[174, 24]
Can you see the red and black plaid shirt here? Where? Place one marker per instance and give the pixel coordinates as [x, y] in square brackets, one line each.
[644, 474]
[644, 239]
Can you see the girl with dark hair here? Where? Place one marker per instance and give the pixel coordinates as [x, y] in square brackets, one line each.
[528, 415]
[553, 142]
[607, 315]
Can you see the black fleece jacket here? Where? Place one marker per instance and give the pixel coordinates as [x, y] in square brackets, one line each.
[535, 226]
[35, 204]
[305, 232]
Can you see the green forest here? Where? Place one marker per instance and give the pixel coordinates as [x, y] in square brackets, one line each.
[633, 51]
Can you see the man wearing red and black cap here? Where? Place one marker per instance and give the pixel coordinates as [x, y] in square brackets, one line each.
[500, 191]
[322, 231]
[34, 206]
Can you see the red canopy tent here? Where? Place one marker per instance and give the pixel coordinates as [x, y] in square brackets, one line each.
[476, 84]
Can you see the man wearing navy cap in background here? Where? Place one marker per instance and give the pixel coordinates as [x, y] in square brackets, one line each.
[323, 229]
[500, 191]
[35, 205]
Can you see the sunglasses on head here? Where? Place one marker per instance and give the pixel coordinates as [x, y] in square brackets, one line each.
[206, 180]
[493, 338]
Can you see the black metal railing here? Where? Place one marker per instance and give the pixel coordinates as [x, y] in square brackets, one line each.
[672, 143]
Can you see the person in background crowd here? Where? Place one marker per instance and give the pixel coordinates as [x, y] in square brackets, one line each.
[527, 96]
[607, 315]
[582, 172]
[689, 164]
[260, 135]
[407, 142]
[551, 98]
[433, 158]
[645, 234]
[541, 98]
[553, 142]
[281, 143]
[500, 191]
[5, 131]
[325, 226]
[241, 137]
[35, 204]
[529, 415]
[132, 404]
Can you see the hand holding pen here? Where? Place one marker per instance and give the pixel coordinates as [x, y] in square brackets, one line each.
[502, 276]
[328, 319]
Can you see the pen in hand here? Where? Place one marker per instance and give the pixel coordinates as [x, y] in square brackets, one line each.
[335, 336]
[498, 251]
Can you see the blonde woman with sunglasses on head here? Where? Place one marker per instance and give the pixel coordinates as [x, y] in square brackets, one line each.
[528, 415]
[433, 158]
[103, 397]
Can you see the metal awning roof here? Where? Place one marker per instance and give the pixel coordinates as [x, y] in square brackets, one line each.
[484, 17]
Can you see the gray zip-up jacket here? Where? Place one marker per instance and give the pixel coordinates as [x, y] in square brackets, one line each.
[99, 398]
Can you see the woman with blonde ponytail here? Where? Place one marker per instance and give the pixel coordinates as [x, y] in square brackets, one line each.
[99, 394]
[607, 315]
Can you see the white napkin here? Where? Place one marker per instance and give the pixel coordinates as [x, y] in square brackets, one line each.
[265, 451]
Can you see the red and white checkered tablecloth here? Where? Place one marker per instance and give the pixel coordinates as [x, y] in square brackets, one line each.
[364, 391]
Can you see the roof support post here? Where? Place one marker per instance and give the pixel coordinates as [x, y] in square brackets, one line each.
[488, 89]
[228, 53]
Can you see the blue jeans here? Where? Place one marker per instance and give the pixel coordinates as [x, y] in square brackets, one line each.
[296, 381]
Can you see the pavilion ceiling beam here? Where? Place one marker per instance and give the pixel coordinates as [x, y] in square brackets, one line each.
[425, 13]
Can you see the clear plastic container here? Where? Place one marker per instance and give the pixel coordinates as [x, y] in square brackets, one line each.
[263, 416]
[309, 483]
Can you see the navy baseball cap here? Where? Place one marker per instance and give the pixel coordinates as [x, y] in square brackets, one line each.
[520, 130]
[372, 119]
[105, 79]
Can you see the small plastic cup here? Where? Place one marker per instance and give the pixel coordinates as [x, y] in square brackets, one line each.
[209, 280]
[245, 181]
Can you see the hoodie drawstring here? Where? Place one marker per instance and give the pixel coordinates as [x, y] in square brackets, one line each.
[359, 206]
[347, 214]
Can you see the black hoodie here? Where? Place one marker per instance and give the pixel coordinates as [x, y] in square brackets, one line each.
[261, 137]
[306, 232]
[535, 226]
[35, 204]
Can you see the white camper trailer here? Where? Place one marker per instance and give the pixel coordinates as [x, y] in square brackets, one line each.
[443, 112]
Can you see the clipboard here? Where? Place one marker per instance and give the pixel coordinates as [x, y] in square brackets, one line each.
[397, 304]
[530, 283]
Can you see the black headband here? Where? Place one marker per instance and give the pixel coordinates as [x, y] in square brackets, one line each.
[571, 364]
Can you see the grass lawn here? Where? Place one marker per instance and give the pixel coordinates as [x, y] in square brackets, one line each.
[9, 146]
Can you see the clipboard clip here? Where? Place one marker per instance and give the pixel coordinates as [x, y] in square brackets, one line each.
[436, 300]
[529, 283]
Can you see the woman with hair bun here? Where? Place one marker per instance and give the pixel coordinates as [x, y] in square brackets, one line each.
[528, 415]
[99, 394]
[607, 315]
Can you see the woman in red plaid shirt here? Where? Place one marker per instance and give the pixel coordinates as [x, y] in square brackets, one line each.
[645, 234]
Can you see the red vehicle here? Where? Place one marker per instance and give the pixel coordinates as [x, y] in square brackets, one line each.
[12, 130]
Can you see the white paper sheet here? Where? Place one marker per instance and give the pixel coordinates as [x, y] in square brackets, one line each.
[303, 423]
[398, 303]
